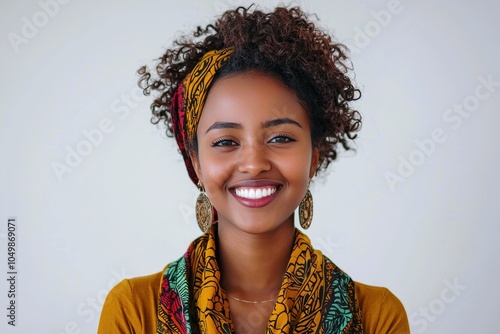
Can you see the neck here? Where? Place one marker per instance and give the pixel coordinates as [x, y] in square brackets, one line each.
[253, 265]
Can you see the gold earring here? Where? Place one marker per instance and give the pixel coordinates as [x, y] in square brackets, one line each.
[306, 211]
[203, 210]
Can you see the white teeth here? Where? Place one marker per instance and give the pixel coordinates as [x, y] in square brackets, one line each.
[258, 193]
[252, 193]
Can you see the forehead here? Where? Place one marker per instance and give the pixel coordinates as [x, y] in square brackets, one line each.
[251, 96]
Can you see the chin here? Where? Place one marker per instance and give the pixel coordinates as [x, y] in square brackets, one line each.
[256, 224]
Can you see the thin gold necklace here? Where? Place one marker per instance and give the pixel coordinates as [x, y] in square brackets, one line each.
[252, 301]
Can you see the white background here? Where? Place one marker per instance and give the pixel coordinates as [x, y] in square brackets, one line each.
[127, 208]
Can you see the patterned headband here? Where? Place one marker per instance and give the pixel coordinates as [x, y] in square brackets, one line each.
[189, 99]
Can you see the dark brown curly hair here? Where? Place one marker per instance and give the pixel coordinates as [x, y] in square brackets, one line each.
[283, 43]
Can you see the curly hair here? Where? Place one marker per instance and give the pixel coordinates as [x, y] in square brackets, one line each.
[283, 43]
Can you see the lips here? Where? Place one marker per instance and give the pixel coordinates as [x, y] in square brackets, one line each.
[255, 193]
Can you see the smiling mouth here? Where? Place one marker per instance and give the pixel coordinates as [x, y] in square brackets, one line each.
[255, 192]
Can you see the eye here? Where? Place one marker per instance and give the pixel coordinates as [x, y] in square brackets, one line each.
[282, 138]
[223, 142]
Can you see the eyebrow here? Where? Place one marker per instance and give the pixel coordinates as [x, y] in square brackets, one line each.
[279, 121]
[267, 124]
[224, 125]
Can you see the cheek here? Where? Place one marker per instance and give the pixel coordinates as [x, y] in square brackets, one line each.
[215, 173]
[296, 166]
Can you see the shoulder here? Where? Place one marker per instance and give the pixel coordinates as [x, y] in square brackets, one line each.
[130, 306]
[139, 285]
[382, 311]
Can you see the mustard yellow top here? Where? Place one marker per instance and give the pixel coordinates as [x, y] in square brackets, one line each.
[132, 304]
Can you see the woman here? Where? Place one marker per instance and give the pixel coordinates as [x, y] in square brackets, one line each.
[258, 106]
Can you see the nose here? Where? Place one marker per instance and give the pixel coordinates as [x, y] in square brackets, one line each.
[254, 160]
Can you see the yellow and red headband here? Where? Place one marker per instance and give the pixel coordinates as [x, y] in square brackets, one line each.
[189, 99]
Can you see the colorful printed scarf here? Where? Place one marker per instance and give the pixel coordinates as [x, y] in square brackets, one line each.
[188, 101]
[315, 295]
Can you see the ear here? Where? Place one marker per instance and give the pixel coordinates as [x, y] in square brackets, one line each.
[314, 162]
[196, 164]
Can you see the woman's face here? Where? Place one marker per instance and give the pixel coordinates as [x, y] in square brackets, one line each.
[255, 156]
